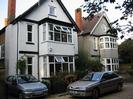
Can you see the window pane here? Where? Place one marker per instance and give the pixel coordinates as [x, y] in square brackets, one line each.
[101, 39]
[106, 39]
[44, 32]
[109, 67]
[64, 37]
[29, 36]
[59, 59]
[69, 38]
[57, 36]
[70, 59]
[50, 26]
[50, 35]
[66, 59]
[65, 67]
[107, 45]
[51, 58]
[108, 61]
[29, 27]
[58, 68]
[51, 69]
[71, 68]
[29, 60]
[101, 45]
[29, 69]
[51, 10]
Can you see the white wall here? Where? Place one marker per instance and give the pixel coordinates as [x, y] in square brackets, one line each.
[23, 37]
[42, 12]
[75, 41]
[11, 49]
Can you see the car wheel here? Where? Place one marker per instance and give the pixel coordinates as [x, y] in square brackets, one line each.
[119, 87]
[21, 96]
[95, 94]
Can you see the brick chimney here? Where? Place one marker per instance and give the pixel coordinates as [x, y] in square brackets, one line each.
[78, 18]
[11, 10]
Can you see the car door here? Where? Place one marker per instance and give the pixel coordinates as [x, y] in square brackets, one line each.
[105, 83]
[14, 85]
[9, 84]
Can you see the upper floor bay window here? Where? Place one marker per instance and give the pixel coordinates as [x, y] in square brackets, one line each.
[29, 33]
[108, 42]
[59, 33]
[52, 11]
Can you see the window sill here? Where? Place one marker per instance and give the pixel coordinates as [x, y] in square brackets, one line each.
[52, 15]
[30, 43]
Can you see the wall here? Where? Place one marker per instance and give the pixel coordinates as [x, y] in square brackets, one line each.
[11, 49]
[42, 12]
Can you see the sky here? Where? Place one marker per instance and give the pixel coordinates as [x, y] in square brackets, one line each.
[71, 5]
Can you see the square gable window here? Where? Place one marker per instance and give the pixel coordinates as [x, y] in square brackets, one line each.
[52, 10]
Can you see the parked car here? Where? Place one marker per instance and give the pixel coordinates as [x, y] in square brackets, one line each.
[96, 83]
[25, 86]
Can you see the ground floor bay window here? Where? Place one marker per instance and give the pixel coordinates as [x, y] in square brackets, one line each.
[57, 64]
[110, 64]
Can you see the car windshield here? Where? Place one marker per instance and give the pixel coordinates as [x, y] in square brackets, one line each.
[26, 79]
[93, 77]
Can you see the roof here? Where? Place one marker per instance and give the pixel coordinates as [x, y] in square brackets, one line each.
[90, 23]
[22, 16]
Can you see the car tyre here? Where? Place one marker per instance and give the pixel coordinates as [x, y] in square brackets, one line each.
[21, 96]
[95, 94]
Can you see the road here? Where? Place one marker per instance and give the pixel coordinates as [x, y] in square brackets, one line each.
[126, 93]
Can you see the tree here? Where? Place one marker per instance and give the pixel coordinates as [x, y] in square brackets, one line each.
[126, 51]
[84, 65]
[94, 6]
[21, 65]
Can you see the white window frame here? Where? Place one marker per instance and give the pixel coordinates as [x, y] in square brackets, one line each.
[29, 64]
[52, 11]
[62, 61]
[114, 63]
[61, 30]
[95, 43]
[31, 32]
[108, 44]
[44, 31]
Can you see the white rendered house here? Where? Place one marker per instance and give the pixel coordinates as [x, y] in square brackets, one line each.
[46, 35]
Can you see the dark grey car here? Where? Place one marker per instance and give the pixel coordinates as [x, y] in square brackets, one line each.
[96, 83]
[25, 86]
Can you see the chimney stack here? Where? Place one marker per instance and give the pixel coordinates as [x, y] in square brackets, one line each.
[11, 10]
[78, 18]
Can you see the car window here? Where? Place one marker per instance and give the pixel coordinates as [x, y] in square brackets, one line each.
[106, 76]
[113, 75]
[95, 76]
[26, 79]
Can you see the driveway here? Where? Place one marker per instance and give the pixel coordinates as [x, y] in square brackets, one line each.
[126, 93]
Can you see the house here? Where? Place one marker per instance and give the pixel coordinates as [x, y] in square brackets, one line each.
[2, 48]
[95, 40]
[46, 36]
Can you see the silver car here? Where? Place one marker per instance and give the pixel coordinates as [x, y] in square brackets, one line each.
[96, 83]
[25, 86]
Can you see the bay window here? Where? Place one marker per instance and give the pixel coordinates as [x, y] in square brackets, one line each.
[59, 33]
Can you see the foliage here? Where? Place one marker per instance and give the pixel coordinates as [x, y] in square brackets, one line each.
[84, 65]
[21, 65]
[59, 83]
[126, 51]
[94, 6]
